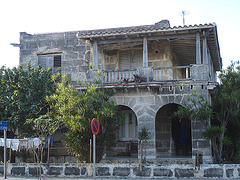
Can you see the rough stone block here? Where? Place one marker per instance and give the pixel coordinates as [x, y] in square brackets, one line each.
[162, 172]
[213, 172]
[18, 171]
[121, 171]
[145, 172]
[102, 171]
[184, 172]
[229, 173]
[72, 171]
[83, 171]
[2, 170]
[55, 171]
[34, 171]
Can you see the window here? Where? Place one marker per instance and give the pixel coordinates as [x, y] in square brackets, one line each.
[129, 129]
[50, 60]
[130, 59]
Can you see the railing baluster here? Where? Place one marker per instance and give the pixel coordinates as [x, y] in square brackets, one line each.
[112, 77]
[105, 76]
[160, 74]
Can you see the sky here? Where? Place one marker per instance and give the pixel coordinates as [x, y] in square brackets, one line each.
[42, 16]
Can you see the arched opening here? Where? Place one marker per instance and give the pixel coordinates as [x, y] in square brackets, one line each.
[126, 135]
[173, 135]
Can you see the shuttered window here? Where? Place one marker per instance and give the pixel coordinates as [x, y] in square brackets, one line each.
[130, 59]
[50, 60]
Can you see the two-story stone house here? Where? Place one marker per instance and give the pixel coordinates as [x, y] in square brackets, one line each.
[152, 70]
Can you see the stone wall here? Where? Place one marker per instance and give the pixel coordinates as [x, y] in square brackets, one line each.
[71, 49]
[228, 171]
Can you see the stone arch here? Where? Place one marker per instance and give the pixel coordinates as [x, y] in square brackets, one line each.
[173, 135]
[126, 134]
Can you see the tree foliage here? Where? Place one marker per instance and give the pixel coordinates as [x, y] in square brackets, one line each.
[224, 113]
[22, 96]
[75, 109]
[226, 107]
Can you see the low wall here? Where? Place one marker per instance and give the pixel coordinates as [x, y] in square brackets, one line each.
[230, 171]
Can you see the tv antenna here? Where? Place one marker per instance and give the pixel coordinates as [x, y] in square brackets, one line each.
[183, 13]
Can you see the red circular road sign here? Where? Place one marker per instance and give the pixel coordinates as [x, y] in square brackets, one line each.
[95, 126]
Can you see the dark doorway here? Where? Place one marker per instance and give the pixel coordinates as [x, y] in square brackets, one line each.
[173, 135]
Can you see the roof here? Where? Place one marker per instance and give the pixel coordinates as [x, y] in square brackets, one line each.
[162, 26]
[182, 38]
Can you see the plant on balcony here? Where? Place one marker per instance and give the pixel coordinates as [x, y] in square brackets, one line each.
[125, 80]
[137, 78]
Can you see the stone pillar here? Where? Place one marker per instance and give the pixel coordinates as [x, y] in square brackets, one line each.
[198, 49]
[145, 52]
[95, 55]
[149, 123]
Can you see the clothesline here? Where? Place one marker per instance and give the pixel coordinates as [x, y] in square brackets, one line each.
[26, 143]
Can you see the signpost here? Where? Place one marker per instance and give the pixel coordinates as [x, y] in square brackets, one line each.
[3, 126]
[95, 130]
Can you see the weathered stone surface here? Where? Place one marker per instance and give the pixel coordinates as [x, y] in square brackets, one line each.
[213, 172]
[55, 171]
[145, 172]
[72, 171]
[229, 173]
[83, 171]
[162, 172]
[18, 171]
[102, 171]
[121, 171]
[1, 170]
[34, 171]
[184, 172]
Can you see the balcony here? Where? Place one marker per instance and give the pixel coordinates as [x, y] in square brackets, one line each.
[147, 74]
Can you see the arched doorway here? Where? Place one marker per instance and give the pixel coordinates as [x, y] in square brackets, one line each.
[173, 135]
[126, 135]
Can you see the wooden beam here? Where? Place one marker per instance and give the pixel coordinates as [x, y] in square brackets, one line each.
[95, 55]
[174, 36]
[198, 49]
[145, 52]
[205, 55]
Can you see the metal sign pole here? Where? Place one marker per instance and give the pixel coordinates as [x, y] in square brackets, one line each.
[5, 154]
[94, 156]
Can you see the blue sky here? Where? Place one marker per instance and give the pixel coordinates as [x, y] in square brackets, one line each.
[39, 16]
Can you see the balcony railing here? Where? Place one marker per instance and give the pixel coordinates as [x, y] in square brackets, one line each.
[158, 74]
[171, 73]
[116, 76]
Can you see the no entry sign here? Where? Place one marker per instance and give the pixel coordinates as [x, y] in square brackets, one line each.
[95, 126]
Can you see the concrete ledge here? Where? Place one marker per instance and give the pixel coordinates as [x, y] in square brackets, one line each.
[226, 171]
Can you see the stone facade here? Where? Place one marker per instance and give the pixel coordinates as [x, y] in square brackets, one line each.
[169, 62]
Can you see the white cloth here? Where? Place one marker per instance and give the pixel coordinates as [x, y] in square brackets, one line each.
[17, 144]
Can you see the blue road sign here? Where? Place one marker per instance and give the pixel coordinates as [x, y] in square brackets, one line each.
[3, 125]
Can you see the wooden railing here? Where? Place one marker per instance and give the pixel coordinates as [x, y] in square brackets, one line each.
[115, 76]
[171, 73]
[159, 74]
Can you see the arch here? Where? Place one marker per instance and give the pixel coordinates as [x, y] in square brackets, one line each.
[173, 135]
[126, 134]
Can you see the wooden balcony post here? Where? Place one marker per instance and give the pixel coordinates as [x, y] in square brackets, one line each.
[145, 52]
[198, 49]
[95, 55]
[205, 53]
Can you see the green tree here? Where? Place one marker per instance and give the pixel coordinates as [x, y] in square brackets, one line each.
[226, 107]
[75, 109]
[224, 113]
[22, 96]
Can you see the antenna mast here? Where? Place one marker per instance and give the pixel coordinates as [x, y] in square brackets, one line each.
[184, 13]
